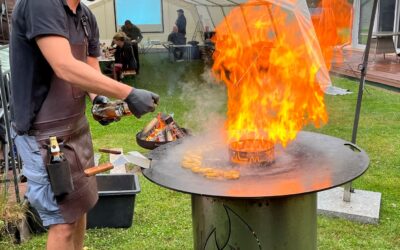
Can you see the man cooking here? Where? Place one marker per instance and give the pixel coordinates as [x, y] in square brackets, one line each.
[53, 53]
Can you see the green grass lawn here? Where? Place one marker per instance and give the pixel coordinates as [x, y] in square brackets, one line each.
[162, 218]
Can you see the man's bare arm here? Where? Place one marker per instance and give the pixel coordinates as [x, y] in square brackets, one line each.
[57, 51]
[94, 63]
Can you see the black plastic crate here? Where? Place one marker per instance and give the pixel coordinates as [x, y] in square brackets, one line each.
[117, 193]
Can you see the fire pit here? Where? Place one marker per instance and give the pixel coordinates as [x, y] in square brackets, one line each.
[256, 187]
[271, 207]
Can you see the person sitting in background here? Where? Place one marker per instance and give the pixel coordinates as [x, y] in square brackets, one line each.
[177, 38]
[125, 62]
[134, 33]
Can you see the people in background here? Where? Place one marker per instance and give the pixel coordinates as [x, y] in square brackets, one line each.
[181, 22]
[208, 35]
[124, 56]
[132, 31]
[177, 38]
[135, 35]
[54, 47]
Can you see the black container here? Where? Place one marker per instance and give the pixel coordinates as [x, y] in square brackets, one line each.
[195, 50]
[116, 203]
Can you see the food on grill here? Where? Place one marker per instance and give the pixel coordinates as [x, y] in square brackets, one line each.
[215, 173]
[188, 165]
[232, 174]
[193, 160]
[207, 170]
[198, 169]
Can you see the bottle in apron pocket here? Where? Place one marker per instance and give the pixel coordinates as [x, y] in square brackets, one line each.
[59, 170]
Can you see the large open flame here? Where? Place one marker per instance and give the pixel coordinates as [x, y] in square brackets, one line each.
[268, 55]
[333, 23]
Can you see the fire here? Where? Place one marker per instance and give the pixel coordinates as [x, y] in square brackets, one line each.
[333, 27]
[162, 128]
[157, 130]
[268, 55]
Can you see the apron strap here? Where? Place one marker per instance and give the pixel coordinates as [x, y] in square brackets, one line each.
[84, 22]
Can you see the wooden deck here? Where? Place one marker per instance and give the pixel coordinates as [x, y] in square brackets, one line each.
[380, 70]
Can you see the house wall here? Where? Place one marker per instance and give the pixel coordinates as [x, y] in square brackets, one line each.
[105, 15]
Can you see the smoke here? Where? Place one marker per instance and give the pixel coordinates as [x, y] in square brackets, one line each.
[207, 100]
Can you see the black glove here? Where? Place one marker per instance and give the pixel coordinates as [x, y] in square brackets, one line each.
[100, 99]
[141, 101]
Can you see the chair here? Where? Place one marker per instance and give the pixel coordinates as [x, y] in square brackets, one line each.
[186, 50]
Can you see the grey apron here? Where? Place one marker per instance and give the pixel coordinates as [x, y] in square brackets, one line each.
[63, 115]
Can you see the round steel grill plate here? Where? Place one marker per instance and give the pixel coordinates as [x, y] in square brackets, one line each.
[311, 163]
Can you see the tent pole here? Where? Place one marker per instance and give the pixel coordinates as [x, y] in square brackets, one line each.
[214, 3]
[212, 20]
[232, 2]
[363, 68]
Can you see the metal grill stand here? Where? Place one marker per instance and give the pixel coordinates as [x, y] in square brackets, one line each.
[269, 223]
[270, 207]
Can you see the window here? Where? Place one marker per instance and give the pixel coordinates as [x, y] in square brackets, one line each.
[365, 18]
[386, 15]
[146, 14]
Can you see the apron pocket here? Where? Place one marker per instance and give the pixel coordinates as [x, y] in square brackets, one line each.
[73, 160]
[60, 178]
[79, 153]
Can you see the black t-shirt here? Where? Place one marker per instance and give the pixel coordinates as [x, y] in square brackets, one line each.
[30, 72]
[181, 24]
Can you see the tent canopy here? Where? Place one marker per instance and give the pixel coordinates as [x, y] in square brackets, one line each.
[213, 12]
[221, 3]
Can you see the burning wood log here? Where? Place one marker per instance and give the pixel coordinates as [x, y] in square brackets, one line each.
[162, 128]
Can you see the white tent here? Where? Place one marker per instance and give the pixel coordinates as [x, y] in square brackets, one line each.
[212, 12]
[104, 11]
[209, 13]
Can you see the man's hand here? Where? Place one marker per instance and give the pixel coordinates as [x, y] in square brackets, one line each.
[102, 100]
[141, 101]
